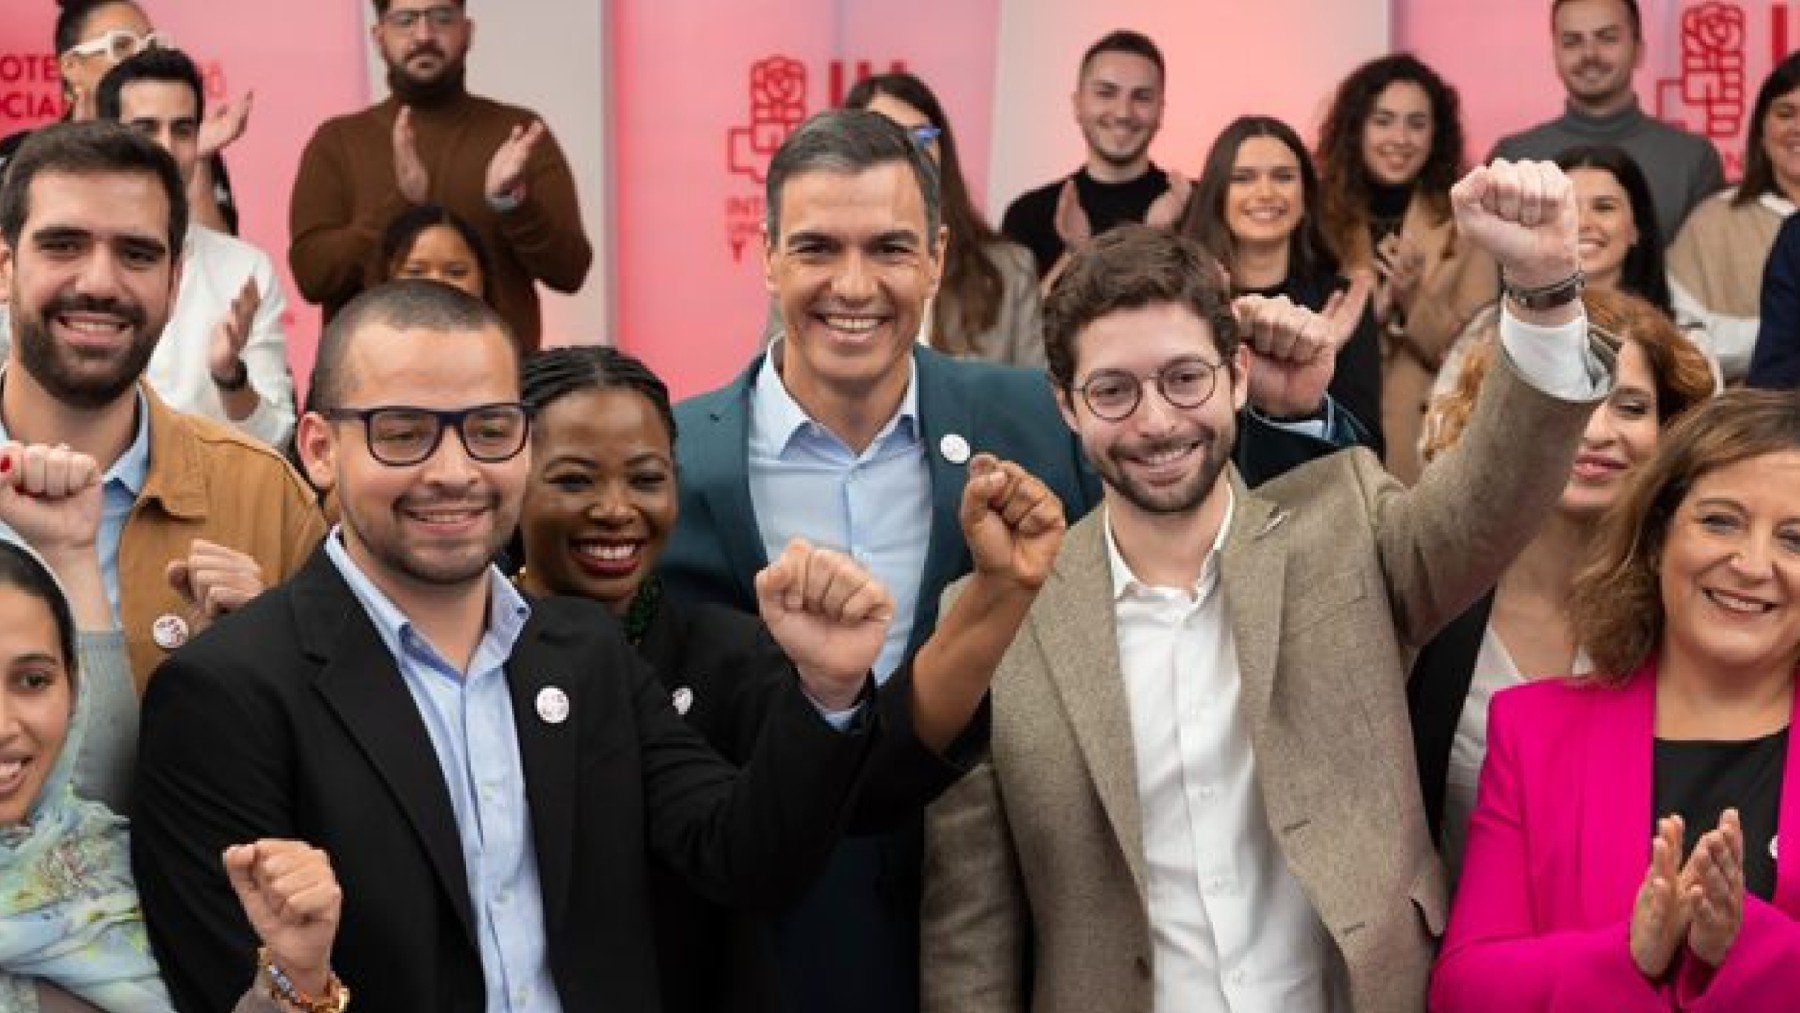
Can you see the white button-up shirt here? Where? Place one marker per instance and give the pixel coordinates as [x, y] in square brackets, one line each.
[1231, 928]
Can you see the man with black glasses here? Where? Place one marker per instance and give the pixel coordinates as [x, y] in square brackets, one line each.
[492, 776]
[432, 142]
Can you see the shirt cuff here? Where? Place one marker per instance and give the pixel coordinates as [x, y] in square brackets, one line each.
[1558, 361]
[838, 720]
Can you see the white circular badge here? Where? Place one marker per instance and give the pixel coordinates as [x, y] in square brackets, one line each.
[954, 448]
[169, 631]
[683, 699]
[553, 705]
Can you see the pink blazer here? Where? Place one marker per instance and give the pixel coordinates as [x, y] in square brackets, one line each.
[1558, 846]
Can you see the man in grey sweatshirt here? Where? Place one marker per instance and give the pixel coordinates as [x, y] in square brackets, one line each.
[1599, 45]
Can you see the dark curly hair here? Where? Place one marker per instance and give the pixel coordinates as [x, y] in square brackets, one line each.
[1344, 175]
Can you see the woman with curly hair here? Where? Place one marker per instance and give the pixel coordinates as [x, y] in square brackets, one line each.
[1256, 209]
[1625, 848]
[1389, 151]
[1522, 630]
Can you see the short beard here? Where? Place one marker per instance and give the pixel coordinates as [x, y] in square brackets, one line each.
[448, 85]
[53, 370]
[1183, 499]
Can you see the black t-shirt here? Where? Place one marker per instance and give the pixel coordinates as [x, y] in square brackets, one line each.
[9, 146]
[1030, 220]
[1356, 381]
[1700, 780]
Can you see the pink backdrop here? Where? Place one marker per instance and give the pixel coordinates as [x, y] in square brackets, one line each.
[703, 94]
[1704, 62]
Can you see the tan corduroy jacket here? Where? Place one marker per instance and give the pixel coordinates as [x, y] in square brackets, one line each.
[208, 481]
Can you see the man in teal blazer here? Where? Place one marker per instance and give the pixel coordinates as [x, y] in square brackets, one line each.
[850, 434]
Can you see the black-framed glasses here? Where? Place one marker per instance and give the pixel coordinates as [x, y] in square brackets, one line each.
[924, 134]
[401, 435]
[1113, 394]
[439, 17]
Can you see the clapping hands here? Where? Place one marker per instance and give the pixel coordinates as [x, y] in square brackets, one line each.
[1701, 902]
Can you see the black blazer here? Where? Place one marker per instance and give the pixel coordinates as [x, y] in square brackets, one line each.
[852, 942]
[1435, 690]
[726, 674]
[289, 719]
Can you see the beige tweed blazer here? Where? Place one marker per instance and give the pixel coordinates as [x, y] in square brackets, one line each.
[1334, 575]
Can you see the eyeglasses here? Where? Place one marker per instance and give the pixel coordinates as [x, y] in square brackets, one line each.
[924, 134]
[399, 436]
[1113, 394]
[438, 17]
[121, 44]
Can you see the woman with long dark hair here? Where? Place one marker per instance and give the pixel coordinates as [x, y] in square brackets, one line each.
[1256, 210]
[1716, 262]
[1621, 243]
[987, 305]
[1390, 149]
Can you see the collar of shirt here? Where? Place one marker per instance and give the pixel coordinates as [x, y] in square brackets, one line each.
[1126, 584]
[780, 423]
[1777, 203]
[132, 468]
[507, 612]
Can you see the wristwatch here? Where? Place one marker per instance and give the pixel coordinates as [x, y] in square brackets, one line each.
[238, 380]
[1546, 297]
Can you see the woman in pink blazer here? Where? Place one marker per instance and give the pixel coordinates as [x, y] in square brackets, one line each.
[1624, 851]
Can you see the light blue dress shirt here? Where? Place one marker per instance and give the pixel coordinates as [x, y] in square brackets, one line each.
[876, 506]
[470, 721]
[119, 491]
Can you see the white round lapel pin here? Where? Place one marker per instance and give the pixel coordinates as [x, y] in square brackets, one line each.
[553, 705]
[169, 631]
[954, 448]
[683, 699]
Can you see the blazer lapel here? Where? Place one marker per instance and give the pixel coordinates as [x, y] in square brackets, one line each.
[1615, 799]
[722, 476]
[360, 683]
[1073, 625]
[1787, 825]
[547, 754]
[942, 416]
[1253, 573]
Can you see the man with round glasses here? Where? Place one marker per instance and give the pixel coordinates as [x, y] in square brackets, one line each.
[430, 141]
[1200, 791]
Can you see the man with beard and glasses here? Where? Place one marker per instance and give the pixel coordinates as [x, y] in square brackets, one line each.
[1599, 45]
[196, 517]
[432, 142]
[1118, 103]
[494, 776]
[1199, 793]
[849, 433]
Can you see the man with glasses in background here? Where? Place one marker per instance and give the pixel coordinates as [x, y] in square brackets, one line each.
[430, 141]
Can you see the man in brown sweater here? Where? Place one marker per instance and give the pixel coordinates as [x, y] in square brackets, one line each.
[431, 141]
